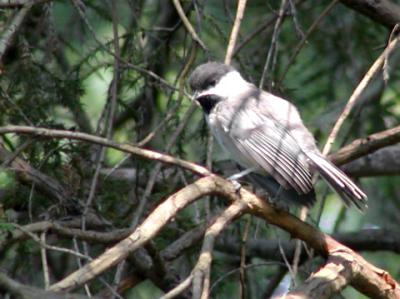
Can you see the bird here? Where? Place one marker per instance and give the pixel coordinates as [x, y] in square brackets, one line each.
[265, 135]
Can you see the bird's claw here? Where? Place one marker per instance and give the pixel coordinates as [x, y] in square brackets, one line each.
[236, 185]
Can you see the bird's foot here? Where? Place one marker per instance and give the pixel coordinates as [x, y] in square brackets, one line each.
[278, 204]
[236, 185]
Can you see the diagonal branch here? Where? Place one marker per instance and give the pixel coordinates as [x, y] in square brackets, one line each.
[372, 72]
[202, 270]
[384, 12]
[8, 35]
[330, 279]
[187, 24]
[235, 31]
[376, 279]
[123, 147]
[364, 146]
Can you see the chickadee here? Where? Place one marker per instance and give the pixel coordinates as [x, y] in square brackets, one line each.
[265, 135]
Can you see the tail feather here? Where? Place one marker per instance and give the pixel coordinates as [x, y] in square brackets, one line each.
[276, 191]
[339, 181]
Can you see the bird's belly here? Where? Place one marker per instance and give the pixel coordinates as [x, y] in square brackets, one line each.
[229, 146]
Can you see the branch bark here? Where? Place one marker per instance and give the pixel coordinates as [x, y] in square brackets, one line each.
[7, 36]
[26, 292]
[370, 280]
[26, 174]
[383, 162]
[123, 147]
[365, 146]
[330, 279]
[384, 12]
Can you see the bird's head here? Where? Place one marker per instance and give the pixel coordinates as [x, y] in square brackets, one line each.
[213, 82]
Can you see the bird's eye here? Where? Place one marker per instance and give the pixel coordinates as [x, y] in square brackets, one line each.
[212, 82]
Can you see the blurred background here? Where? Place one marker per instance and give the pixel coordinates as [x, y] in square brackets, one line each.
[118, 69]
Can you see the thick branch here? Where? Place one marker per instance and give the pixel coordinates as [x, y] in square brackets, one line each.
[376, 279]
[365, 146]
[364, 240]
[21, 291]
[328, 280]
[146, 231]
[384, 12]
[383, 162]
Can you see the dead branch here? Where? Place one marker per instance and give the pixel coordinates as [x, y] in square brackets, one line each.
[64, 228]
[355, 96]
[202, 270]
[330, 279]
[26, 292]
[384, 12]
[26, 174]
[8, 34]
[383, 162]
[124, 147]
[376, 279]
[144, 232]
[235, 30]
[364, 146]
[187, 24]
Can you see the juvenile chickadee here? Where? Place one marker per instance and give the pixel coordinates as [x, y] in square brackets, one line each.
[265, 135]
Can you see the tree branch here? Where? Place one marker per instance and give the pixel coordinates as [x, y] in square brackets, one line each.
[123, 147]
[26, 174]
[323, 244]
[235, 31]
[330, 279]
[355, 96]
[383, 162]
[26, 292]
[8, 34]
[365, 146]
[363, 240]
[384, 12]
[202, 270]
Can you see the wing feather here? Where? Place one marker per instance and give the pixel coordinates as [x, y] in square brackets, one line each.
[274, 150]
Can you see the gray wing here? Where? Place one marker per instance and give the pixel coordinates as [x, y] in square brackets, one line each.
[271, 147]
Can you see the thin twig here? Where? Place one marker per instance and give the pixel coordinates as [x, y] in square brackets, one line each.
[273, 46]
[50, 247]
[80, 265]
[152, 179]
[187, 24]
[374, 69]
[202, 270]
[209, 164]
[305, 37]
[124, 147]
[78, 4]
[8, 35]
[179, 288]
[386, 60]
[46, 275]
[235, 31]
[242, 272]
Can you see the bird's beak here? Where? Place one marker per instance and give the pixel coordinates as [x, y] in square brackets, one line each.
[195, 95]
[198, 94]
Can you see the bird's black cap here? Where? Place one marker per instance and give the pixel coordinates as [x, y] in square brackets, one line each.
[208, 74]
